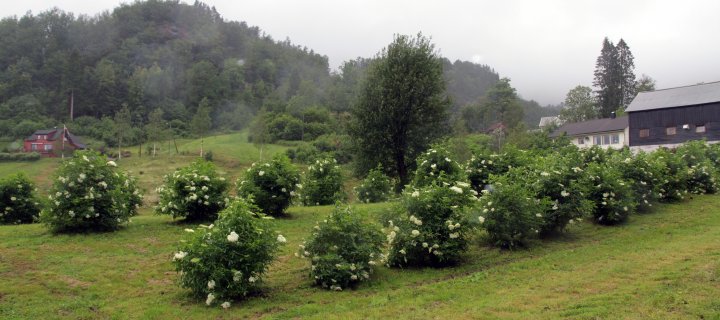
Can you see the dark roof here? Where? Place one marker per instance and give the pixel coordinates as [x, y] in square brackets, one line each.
[592, 126]
[56, 134]
[676, 97]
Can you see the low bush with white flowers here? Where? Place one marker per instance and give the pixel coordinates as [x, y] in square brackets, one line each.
[195, 192]
[701, 173]
[376, 187]
[435, 165]
[90, 194]
[343, 250]
[612, 195]
[643, 173]
[673, 185]
[483, 164]
[430, 227]
[322, 184]
[226, 260]
[510, 213]
[18, 203]
[271, 185]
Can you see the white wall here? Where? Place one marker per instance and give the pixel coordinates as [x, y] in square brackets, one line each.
[589, 140]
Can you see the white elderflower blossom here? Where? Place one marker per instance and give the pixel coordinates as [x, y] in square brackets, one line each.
[112, 163]
[189, 230]
[211, 284]
[233, 237]
[179, 255]
[415, 194]
[261, 173]
[210, 299]
[456, 189]
[281, 239]
[225, 304]
[252, 279]
[564, 193]
[415, 233]
[481, 219]
[454, 235]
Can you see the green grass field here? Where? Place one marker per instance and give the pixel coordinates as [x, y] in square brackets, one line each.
[663, 265]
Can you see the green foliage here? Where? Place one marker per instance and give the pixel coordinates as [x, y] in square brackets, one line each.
[509, 213]
[402, 107]
[643, 172]
[226, 260]
[484, 163]
[325, 146]
[614, 77]
[501, 104]
[429, 227]
[323, 183]
[612, 195]
[270, 185]
[376, 187]
[579, 105]
[29, 156]
[674, 177]
[195, 192]
[90, 194]
[435, 166]
[17, 201]
[342, 250]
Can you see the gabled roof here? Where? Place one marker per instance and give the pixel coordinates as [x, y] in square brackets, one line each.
[676, 97]
[55, 134]
[592, 126]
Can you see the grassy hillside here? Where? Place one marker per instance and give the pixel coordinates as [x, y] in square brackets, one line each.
[662, 265]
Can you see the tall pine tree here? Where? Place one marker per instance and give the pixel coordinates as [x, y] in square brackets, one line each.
[626, 70]
[614, 77]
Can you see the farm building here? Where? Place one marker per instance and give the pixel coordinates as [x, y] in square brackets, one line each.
[49, 143]
[669, 117]
[606, 133]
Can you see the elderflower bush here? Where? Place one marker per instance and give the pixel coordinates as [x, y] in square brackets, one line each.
[643, 173]
[90, 194]
[483, 164]
[430, 227]
[17, 201]
[375, 187]
[509, 213]
[674, 177]
[226, 260]
[270, 185]
[343, 249]
[435, 165]
[613, 196]
[557, 182]
[195, 192]
[701, 172]
[323, 183]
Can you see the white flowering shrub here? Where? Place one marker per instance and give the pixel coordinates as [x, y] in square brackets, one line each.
[674, 177]
[195, 192]
[595, 154]
[90, 194]
[483, 164]
[644, 173]
[17, 200]
[376, 187]
[509, 213]
[270, 185]
[226, 260]
[430, 227]
[435, 165]
[701, 172]
[322, 184]
[343, 249]
[613, 196]
[558, 182]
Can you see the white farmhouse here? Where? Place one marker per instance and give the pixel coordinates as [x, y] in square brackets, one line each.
[606, 133]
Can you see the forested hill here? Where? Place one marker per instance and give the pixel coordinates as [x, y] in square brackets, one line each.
[166, 56]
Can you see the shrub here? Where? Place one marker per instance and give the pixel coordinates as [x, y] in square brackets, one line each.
[323, 183]
[612, 195]
[375, 187]
[701, 173]
[509, 213]
[227, 259]
[343, 250]
[195, 192]
[30, 156]
[17, 202]
[90, 194]
[484, 164]
[644, 174]
[435, 165]
[557, 181]
[270, 185]
[674, 178]
[430, 226]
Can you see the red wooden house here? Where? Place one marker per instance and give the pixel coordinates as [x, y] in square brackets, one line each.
[52, 143]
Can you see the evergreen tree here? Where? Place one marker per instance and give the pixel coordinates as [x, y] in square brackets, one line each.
[502, 104]
[608, 93]
[402, 107]
[626, 71]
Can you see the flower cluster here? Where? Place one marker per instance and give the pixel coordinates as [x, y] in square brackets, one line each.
[375, 187]
[643, 173]
[430, 226]
[17, 200]
[227, 259]
[270, 185]
[342, 250]
[613, 196]
[195, 192]
[674, 176]
[89, 193]
[435, 165]
[323, 184]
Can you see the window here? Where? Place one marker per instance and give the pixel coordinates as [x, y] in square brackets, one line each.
[48, 147]
[606, 139]
[580, 141]
[644, 133]
[34, 146]
[597, 140]
[615, 138]
[670, 131]
[700, 128]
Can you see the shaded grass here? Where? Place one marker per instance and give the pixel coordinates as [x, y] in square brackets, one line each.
[661, 265]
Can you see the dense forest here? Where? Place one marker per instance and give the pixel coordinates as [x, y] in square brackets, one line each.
[166, 62]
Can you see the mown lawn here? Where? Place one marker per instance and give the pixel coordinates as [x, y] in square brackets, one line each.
[664, 265]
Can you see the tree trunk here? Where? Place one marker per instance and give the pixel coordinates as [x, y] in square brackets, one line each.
[140, 151]
[401, 170]
[202, 141]
[119, 149]
[176, 148]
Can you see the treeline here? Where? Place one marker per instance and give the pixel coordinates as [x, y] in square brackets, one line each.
[165, 57]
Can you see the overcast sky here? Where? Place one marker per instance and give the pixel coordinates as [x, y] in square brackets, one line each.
[544, 47]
